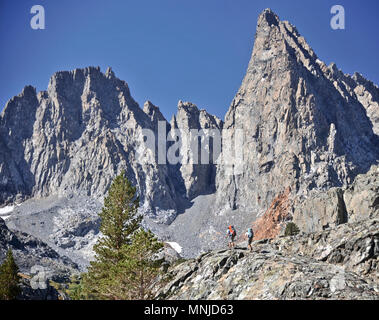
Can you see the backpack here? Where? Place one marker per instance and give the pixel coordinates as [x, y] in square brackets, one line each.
[232, 231]
[250, 233]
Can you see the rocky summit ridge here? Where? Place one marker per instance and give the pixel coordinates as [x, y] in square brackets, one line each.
[310, 153]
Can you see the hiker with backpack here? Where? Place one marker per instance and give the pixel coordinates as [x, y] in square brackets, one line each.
[231, 233]
[249, 235]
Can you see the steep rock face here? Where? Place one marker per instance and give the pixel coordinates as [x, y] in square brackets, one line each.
[362, 197]
[197, 170]
[271, 223]
[368, 95]
[304, 127]
[75, 137]
[320, 210]
[323, 209]
[84, 130]
[15, 176]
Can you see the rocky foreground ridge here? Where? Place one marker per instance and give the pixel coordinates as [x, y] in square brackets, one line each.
[339, 263]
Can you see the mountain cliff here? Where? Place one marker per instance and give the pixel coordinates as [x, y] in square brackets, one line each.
[306, 125]
[74, 138]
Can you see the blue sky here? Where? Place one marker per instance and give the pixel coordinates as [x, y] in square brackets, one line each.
[170, 50]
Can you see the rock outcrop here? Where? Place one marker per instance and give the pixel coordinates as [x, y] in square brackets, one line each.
[353, 246]
[197, 170]
[324, 209]
[329, 265]
[362, 197]
[270, 225]
[368, 95]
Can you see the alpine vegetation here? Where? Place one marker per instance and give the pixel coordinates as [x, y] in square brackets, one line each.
[9, 278]
[125, 265]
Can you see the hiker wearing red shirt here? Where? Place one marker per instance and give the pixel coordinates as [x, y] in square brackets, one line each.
[231, 233]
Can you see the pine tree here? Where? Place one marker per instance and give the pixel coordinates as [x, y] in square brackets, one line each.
[119, 221]
[291, 229]
[135, 274]
[9, 278]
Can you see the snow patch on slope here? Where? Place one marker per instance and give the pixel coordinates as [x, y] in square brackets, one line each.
[5, 212]
[176, 246]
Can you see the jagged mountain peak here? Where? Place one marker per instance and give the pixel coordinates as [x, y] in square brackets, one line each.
[109, 73]
[268, 17]
[305, 125]
[78, 74]
[89, 78]
[81, 132]
[277, 38]
[28, 92]
[149, 107]
[74, 138]
[190, 116]
[153, 112]
[187, 106]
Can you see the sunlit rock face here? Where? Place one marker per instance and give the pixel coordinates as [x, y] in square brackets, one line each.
[75, 137]
[306, 125]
